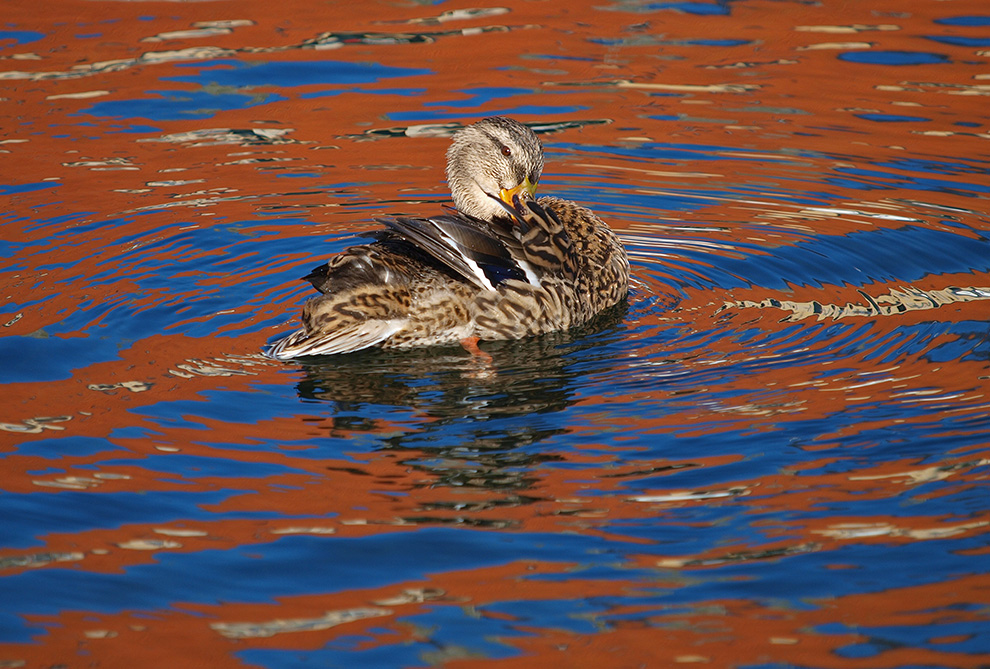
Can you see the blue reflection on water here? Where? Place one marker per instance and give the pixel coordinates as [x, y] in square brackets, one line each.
[242, 74]
[958, 40]
[521, 110]
[894, 57]
[11, 189]
[47, 358]
[19, 37]
[892, 118]
[55, 448]
[907, 253]
[174, 105]
[188, 468]
[946, 634]
[227, 406]
[918, 183]
[479, 636]
[478, 97]
[170, 105]
[673, 152]
[964, 21]
[69, 511]
[719, 8]
[929, 165]
[209, 576]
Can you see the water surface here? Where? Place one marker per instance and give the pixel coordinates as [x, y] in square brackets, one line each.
[775, 454]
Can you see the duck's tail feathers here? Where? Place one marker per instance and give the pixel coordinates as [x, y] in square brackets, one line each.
[347, 339]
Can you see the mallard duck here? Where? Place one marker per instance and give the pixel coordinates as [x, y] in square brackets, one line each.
[502, 265]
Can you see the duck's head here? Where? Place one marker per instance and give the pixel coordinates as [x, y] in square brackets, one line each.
[493, 158]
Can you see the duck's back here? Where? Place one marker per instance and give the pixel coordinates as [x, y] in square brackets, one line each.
[602, 272]
[582, 267]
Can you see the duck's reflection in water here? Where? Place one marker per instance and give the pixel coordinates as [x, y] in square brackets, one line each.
[466, 421]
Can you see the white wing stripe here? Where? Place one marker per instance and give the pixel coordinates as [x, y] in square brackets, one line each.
[475, 268]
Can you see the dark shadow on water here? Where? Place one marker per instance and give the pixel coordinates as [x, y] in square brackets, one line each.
[474, 421]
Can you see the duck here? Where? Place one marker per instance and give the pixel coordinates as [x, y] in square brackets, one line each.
[500, 265]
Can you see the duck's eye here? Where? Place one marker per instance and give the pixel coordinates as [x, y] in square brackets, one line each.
[506, 151]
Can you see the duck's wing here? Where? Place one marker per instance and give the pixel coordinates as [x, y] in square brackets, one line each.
[353, 267]
[470, 248]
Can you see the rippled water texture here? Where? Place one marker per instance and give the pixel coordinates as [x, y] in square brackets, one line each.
[776, 455]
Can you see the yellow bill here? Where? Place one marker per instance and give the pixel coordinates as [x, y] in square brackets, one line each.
[527, 186]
